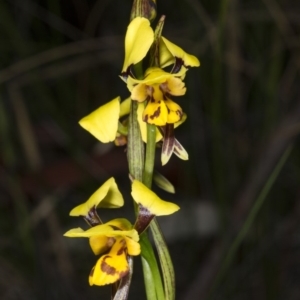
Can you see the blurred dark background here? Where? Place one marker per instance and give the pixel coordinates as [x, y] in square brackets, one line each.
[237, 233]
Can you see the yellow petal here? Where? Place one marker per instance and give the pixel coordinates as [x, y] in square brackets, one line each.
[183, 118]
[138, 40]
[100, 243]
[125, 107]
[166, 58]
[75, 232]
[103, 229]
[103, 122]
[144, 196]
[172, 49]
[133, 247]
[120, 223]
[175, 86]
[143, 125]
[111, 267]
[152, 76]
[180, 151]
[139, 92]
[108, 195]
[174, 111]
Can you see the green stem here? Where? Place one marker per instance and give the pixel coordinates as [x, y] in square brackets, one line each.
[165, 260]
[135, 145]
[160, 243]
[135, 156]
[150, 155]
[251, 217]
[151, 271]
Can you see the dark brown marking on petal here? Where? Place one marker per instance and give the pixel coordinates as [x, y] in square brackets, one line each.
[92, 272]
[159, 101]
[92, 217]
[164, 87]
[106, 268]
[156, 114]
[115, 227]
[177, 148]
[121, 251]
[168, 141]
[149, 90]
[145, 118]
[177, 66]
[179, 113]
[143, 219]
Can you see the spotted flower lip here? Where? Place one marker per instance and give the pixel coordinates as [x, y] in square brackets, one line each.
[107, 196]
[112, 266]
[143, 125]
[149, 200]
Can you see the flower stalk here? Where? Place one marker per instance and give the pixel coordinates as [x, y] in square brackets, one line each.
[147, 117]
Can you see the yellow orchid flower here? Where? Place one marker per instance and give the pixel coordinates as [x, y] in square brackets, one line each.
[155, 88]
[118, 239]
[157, 85]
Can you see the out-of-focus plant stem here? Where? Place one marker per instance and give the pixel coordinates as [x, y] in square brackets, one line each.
[250, 218]
[216, 111]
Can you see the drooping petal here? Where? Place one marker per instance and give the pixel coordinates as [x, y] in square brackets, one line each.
[168, 144]
[148, 199]
[103, 122]
[168, 49]
[138, 40]
[108, 195]
[180, 151]
[111, 267]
